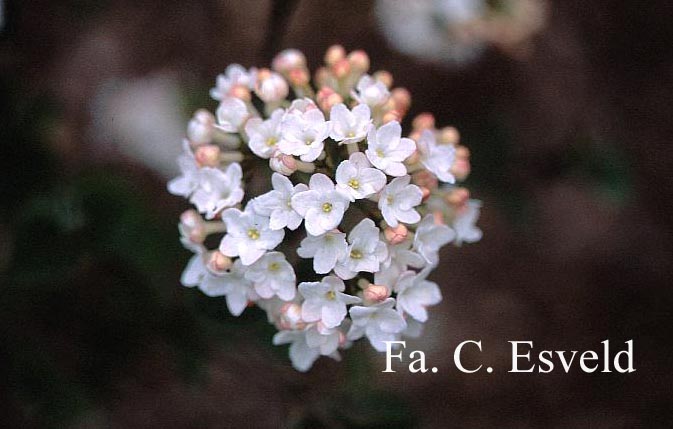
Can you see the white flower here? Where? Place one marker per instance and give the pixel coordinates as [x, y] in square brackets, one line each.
[233, 285]
[325, 249]
[429, 238]
[356, 179]
[270, 86]
[349, 126]
[277, 203]
[188, 180]
[248, 235]
[201, 127]
[308, 344]
[386, 150]
[273, 275]
[300, 106]
[366, 251]
[437, 158]
[234, 75]
[231, 113]
[304, 134]
[195, 271]
[325, 301]
[371, 91]
[464, 224]
[218, 189]
[400, 258]
[321, 206]
[264, 135]
[378, 322]
[414, 293]
[288, 60]
[397, 201]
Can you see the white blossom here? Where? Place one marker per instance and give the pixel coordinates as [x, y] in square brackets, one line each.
[325, 249]
[437, 158]
[465, 223]
[234, 75]
[349, 126]
[231, 114]
[273, 275]
[218, 189]
[233, 284]
[415, 293]
[307, 345]
[365, 252]
[195, 271]
[386, 149]
[188, 180]
[271, 87]
[248, 235]
[430, 237]
[277, 203]
[400, 259]
[397, 201]
[371, 92]
[264, 135]
[321, 206]
[201, 127]
[356, 179]
[379, 323]
[304, 134]
[325, 301]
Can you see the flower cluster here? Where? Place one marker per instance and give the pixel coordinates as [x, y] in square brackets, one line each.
[351, 215]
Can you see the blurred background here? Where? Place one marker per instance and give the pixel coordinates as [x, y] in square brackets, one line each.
[565, 107]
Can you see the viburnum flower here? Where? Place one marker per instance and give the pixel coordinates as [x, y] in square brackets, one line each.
[248, 235]
[321, 206]
[438, 159]
[379, 323]
[325, 249]
[350, 126]
[218, 189]
[325, 301]
[415, 293]
[277, 203]
[386, 149]
[365, 251]
[264, 135]
[273, 275]
[397, 201]
[277, 182]
[356, 179]
[430, 237]
[304, 134]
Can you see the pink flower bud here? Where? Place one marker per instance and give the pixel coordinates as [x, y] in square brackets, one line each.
[192, 226]
[327, 98]
[402, 99]
[449, 135]
[392, 115]
[241, 92]
[375, 293]
[359, 61]
[288, 60]
[270, 86]
[334, 53]
[298, 77]
[425, 179]
[384, 77]
[201, 127]
[207, 155]
[218, 263]
[397, 234]
[458, 198]
[341, 68]
[283, 164]
[423, 121]
[290, 316]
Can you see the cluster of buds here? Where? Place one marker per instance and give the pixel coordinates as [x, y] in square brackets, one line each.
[339, 243]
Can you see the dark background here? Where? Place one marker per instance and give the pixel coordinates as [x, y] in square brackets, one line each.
[571, 155]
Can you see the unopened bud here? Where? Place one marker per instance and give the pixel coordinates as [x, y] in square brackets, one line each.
[397, 234]
[425, 179]
[425, 192]
[392, 115]
[192, 226]
[298, 77]
[270, 86]
[458, 197]
[290, 316]
[359, 61]
[321, 76]
[375, 293]
[438, 217]
[402, 99]
[334, 53]
[423, 121]
[461, 168]
[201, 127]
[327, 98]
[384, 77]
[218, 262]
[341, 68]
[241, 92]
[288, 60]
[283, 164]
[207, 155]
[462, 152]
[449, 135]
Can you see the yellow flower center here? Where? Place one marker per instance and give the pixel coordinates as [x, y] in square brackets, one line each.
[354, 183]
[327, 207]
[253, 233]
[308, 142]
[331, 295]
[350, 134]
[274, 266]
[390, 199]
[271, 141]
[356, 254]
[380, 153]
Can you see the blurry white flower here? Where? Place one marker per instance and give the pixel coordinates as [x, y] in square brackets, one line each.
[248, 235]
[430, 237]
[218, 189]
[349, 126]
[277, 203]
[464, 224]
[188, 180]
[437, 158]
[231, 284]
[397, 201]
[308, 344]
[321, 206]
[371, 92]
[357, 179]
[195, 271]
[264, 135]
[270, 86]
[400, 259]
[304, 134]
[231, 114]
[387, 149]
[234, 75]
[325, 301]
[288, 59]
[365, 252]
[378, 323]
[325, 249]
[192, 230]
[273, 275]
[201, 127]
[414, 293]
